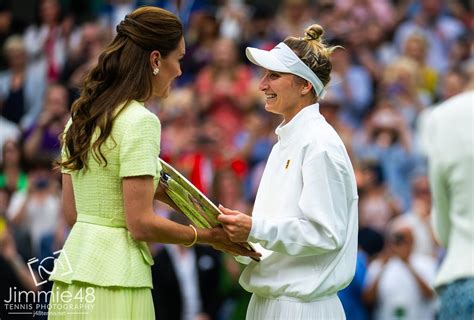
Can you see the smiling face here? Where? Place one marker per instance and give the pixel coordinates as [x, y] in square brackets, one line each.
[284, 94]
[170, 69]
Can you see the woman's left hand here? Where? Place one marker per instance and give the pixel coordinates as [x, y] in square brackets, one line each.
[236, 224]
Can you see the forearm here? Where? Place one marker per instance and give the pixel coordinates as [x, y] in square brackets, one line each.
[70, 219]
[145, 225]
[22, 272]
[369, 295]
[154, 228]
[150, 227]
[68, 201]
[69, 212]
[426, 291]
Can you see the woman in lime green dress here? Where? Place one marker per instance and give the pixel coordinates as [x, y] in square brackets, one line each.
[110, 177]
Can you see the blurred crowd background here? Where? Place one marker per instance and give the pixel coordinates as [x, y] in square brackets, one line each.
[400, 59]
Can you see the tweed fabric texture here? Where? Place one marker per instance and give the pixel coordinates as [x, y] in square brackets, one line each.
[93, 302]
[100, 249]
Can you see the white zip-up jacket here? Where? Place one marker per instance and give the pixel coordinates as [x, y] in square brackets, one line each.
[304, 219]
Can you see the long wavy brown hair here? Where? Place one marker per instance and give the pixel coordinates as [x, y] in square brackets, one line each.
[123, 73]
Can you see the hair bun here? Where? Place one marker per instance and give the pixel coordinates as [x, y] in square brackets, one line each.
[314, 32]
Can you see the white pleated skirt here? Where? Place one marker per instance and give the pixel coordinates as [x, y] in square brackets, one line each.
[261, 308]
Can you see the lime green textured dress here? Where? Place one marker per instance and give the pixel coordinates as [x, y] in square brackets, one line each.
[102, 272]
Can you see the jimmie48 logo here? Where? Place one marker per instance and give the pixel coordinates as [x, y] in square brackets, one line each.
[41, 270]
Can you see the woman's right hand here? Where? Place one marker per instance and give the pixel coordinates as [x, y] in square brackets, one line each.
[219, 240]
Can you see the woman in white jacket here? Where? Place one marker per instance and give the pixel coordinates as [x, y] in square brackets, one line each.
[304, 220]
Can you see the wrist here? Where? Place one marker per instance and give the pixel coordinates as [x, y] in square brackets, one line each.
[195, 237]
[15, 261]
[204, 236]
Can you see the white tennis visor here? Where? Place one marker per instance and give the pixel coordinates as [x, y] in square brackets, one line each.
[283, 59]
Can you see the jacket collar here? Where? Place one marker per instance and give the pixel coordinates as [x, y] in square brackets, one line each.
[286, 131]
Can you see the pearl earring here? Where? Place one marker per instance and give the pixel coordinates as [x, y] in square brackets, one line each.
[156, 71]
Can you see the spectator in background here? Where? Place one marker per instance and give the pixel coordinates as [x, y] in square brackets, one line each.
[179, 118]
[460, 10]
[326, 12]
[208, 154]
[223, 88]
[253, 145]
[15, 272]
[259, 30]
[12, 171]
[398, 283]
[451, 170]
[351, 296]
[232, 16]
[331, 110]
[201, 163]
[402, 87]
[386, 139]
[21, 85]
[292, 16]
[461, 51]
[376, 204]
[37, 210]
[361, 11]
[9, 25]
[351, 87]
[375, 50]
[8, 131]
[13, 179]
[113, 12]
[188, 11]
[416, 48]
[5, 195]
[41, 140]
[418, 216]
[440, 30]
[371, 244]
[47, 42]
[83, 56]
[186, 280]
[235, 299]
[202, 37]
[227, 190]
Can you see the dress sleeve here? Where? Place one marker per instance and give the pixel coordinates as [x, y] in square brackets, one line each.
[140, 147]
